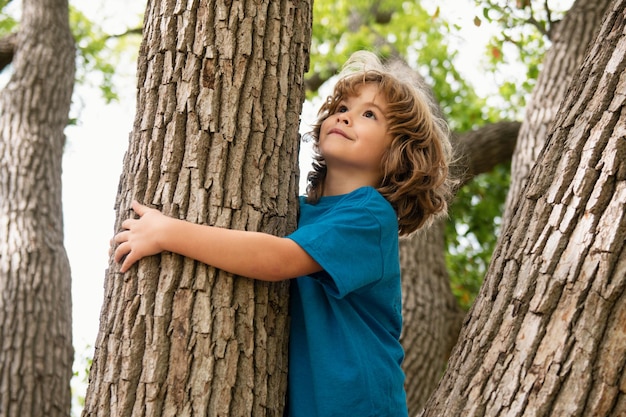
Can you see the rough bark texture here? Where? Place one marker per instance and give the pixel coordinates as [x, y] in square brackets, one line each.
[36, 351]
[546, 335]
[215, 141]
[570, 40]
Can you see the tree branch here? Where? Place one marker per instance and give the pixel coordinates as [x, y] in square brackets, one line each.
[7, 49]
[482, 149]
[134, 31]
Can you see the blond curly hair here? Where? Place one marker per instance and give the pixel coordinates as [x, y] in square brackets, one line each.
[415, 167]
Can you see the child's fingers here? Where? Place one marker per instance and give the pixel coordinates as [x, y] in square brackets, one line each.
[130, 257]
[122, 250]
[121, 236]
[138, 208]
[115, 243]
[125, 253]
[126, 224]
[128, 262]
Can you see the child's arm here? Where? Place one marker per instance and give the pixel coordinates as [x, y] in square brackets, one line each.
[251, 254]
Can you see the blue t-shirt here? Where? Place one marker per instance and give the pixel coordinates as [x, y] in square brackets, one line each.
[344, 354]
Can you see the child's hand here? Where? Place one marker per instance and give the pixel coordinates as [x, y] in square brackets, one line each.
[139, 237]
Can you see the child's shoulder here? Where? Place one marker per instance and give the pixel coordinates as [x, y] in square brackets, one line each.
[362, 203]
[360, 197]
[369, 196]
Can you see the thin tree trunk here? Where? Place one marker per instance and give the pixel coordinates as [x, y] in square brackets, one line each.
[36, 351]
[215, 141]
[546, 335]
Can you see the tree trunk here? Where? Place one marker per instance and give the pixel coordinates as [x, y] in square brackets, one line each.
[570, 39]
[546, 335]
[36, 351]
[431, 314]
[215, 141]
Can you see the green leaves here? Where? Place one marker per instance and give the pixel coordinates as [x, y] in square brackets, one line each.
[390, 27]
[8, 23]
[99, 53]
[472, 231]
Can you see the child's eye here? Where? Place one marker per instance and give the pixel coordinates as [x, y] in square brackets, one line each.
[342, 109]
[370, 114]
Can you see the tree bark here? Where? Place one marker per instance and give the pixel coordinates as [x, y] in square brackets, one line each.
[481, 150]
[36, 351]
[215, 141]
[546, 335]
[431, 315]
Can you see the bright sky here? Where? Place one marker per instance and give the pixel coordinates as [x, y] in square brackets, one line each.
[93, 161]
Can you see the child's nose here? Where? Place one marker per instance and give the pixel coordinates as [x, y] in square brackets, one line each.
[343, 118]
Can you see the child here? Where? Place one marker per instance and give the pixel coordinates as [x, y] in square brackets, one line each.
[380, 170]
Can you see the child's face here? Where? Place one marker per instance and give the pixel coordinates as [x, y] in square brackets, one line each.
[356, 136]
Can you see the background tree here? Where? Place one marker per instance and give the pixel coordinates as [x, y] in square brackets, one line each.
[569, 40]
[97, 60]
[35, 304]
[545, 336]
[215, 141]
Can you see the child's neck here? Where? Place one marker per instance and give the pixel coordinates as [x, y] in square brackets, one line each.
[344, 184]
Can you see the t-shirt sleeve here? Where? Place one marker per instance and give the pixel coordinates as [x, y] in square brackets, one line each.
[348, 247]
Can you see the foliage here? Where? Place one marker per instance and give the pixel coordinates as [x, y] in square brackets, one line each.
[515, 51]
[7, 21]
[472, 231]
[396, 28]
[99, 53]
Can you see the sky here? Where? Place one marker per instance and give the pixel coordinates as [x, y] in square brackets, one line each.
[92, 165]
